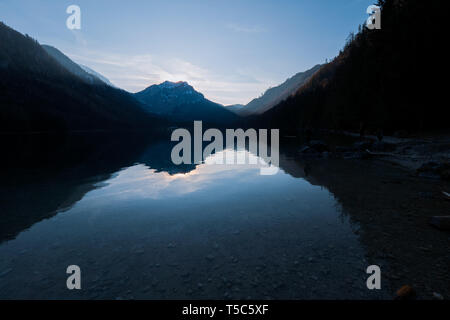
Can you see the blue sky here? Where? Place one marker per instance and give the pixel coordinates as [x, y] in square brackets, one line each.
[231, 51]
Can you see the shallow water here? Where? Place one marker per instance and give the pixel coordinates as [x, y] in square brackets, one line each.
[149, 230]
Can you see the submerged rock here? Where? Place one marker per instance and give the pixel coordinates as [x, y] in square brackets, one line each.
[319, 146]
[437, 296]
[380, 146]
[445, 174]
[5, 272]
[314, 147]
[405, 293]
[435, 169]
[441, 222]
[308, 151]
[362, 145]
[341, 149]
[446, 195]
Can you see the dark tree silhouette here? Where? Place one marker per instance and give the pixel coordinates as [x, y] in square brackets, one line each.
[388, 79]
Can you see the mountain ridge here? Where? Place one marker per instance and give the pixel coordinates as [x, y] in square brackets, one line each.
[98, 75]
[70, 65]
[275, 95]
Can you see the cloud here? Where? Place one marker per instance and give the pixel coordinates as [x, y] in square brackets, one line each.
[136, 72]
[245, 29]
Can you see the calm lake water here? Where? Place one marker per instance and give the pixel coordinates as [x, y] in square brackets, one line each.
[141, 228]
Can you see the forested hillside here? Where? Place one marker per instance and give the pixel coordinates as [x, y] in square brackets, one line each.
[37, 94]
[389, 79]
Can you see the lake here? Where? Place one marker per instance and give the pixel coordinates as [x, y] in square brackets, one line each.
[140, 227]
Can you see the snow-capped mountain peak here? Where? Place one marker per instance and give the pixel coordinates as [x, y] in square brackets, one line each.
[171, 85]
[181, 102]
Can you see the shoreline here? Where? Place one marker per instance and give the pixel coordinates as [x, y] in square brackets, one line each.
[427, 156]
[392, 193]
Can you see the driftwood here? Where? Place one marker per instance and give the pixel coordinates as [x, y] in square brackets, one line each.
[441, 222]
[395, 155]
[380, 154]
[446, 195]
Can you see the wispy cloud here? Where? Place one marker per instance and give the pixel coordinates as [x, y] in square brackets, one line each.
[136, 72]
[245, 29]
[79, 37]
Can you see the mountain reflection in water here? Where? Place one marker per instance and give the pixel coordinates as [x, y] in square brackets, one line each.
[140, 227]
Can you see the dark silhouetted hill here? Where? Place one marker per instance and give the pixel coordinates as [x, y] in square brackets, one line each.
[39, 94]
[390, 79]
[71, 66]
[275, 95]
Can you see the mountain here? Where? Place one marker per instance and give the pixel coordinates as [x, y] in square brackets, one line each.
[71, 66]
[96, 74]
[391, 79]
[236, 108]
[41, 93]
[275, 95]
[79, 70]
[182, 103]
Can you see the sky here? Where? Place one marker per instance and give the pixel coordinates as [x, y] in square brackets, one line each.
[231, 51]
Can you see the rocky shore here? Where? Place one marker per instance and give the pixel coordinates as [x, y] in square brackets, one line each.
[398, 191]
[427, 156]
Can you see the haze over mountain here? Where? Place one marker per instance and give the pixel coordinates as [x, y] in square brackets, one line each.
[71, 66]
[79, 70]
[43, 93]
[275, 95]
[98, 75]
[180, 102]
[236, 108]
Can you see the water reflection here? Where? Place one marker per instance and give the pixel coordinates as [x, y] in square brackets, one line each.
[140, 181]
[140, 227]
